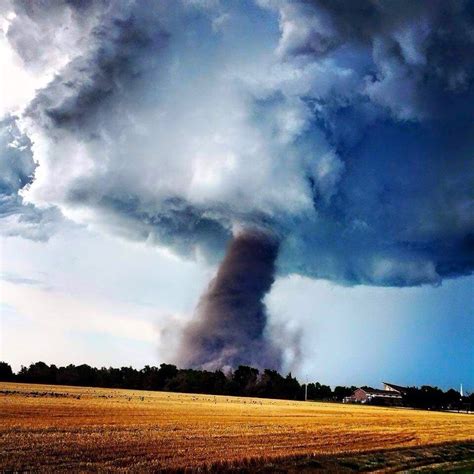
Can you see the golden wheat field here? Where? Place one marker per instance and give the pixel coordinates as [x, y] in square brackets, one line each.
[91, 429]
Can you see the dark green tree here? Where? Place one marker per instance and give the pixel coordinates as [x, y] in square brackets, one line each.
[245, 379]
[6, 373]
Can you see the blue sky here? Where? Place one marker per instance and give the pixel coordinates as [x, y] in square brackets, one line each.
[139, 138]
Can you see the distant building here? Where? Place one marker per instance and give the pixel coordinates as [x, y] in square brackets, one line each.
[394, 388]
[391, 395]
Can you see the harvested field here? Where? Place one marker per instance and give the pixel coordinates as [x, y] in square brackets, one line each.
[71, 428]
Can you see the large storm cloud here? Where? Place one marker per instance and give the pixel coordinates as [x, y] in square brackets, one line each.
[343, 128]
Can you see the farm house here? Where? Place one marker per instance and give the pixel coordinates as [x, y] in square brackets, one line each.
[375, 396]
[394, 388]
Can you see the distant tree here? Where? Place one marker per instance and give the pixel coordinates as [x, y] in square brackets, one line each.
[245, 379]
[451, 399]
[150, 378]
[341, 392]
[6, 373]
[271, 385]
[68, 375]
[38, 372]
[221, 384]
[88, 375]
[292, 388]
[316, 391]
[433, 396]
[130, 377]
[166, 373]
[112, 377]
[184, 381]
[468, 401]
[426, 397]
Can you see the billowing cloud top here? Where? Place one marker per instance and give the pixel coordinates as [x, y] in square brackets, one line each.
[344, 128]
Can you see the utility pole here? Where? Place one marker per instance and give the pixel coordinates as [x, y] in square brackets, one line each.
[306, 390]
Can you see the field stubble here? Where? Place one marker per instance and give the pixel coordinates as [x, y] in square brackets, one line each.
[62, 428]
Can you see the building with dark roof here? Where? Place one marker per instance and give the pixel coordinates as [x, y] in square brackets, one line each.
[374, 396]
[395, 388]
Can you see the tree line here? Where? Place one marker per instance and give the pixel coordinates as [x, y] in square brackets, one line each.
[243, 381]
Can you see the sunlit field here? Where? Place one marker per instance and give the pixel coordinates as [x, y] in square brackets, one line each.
[71, 428]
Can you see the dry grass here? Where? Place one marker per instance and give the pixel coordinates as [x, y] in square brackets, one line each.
[54, 428]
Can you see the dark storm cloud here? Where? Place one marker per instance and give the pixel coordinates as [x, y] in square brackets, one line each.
[229, 326]
[175, 122]
[17, 169]
[403, 213]
[420, 52]
[404, 218]
[124, 48]
[176, 224]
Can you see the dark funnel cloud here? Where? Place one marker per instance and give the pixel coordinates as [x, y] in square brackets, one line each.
[229, 326]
